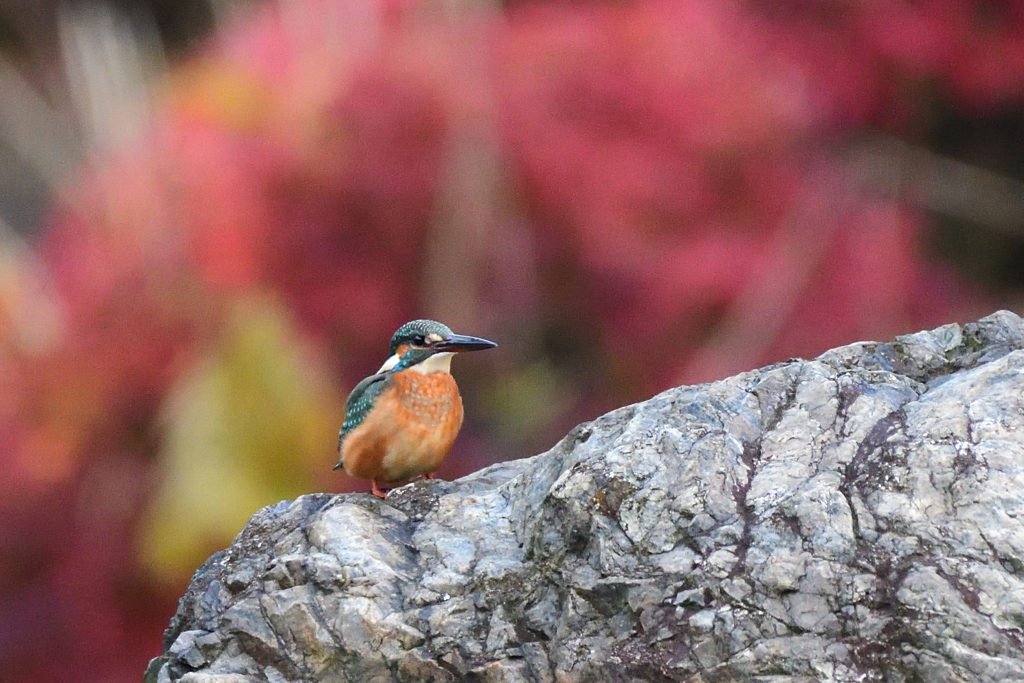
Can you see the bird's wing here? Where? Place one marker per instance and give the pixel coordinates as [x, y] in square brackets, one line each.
[360, 402]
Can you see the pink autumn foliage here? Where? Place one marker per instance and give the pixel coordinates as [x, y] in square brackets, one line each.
[671, 160]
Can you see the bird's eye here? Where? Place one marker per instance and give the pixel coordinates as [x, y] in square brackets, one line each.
[419, 340]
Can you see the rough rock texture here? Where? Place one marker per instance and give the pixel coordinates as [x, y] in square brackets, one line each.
[858, 517]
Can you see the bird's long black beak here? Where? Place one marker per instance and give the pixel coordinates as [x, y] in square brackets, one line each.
[459, 342]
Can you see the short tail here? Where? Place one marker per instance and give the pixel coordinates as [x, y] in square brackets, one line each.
[341, 438]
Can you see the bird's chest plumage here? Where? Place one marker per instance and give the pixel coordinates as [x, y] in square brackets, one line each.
[426, 403]
[410, 430]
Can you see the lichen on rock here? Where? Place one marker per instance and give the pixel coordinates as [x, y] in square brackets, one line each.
[856, 517]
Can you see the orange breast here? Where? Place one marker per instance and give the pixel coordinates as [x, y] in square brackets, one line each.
[410, 430]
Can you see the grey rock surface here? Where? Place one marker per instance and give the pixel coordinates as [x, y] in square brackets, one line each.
[857, 517]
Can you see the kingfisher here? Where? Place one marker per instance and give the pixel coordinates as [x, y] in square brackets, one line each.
[401, 421]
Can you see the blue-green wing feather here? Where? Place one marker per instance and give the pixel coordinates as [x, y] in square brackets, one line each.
[360, 403]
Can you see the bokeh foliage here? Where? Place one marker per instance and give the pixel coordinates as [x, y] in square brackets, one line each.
[625, 195]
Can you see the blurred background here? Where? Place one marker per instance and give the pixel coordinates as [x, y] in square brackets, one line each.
[214, 214]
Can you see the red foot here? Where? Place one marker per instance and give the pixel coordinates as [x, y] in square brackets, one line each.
[375, 490]
[429, 475]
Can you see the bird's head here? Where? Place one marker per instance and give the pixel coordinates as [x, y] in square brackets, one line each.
[428, 346]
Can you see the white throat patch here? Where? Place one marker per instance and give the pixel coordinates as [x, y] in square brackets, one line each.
[439, 362]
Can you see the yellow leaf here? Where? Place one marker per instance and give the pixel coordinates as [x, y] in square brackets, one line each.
[243, 429]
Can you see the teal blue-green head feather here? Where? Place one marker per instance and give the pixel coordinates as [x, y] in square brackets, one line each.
[418, 334]
[418, 340]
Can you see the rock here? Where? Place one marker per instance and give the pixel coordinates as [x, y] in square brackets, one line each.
[857, 517]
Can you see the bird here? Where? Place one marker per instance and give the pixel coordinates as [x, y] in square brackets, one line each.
[401, 421]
